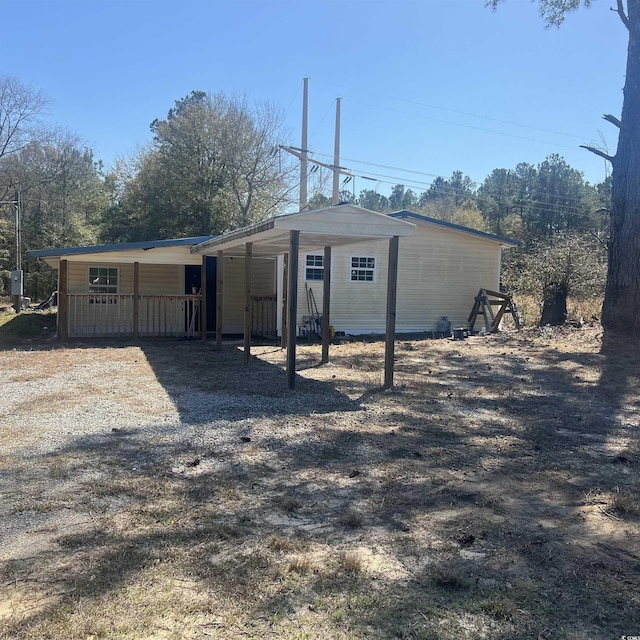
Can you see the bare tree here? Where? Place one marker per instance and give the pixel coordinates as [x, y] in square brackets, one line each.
[20, 108]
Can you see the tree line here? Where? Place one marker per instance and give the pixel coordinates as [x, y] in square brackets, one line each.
[213, 165]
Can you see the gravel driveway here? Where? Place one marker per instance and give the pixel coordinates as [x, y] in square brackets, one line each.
[166, 490]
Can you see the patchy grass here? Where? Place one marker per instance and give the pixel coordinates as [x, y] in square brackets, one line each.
[493, 495]
[28, 326]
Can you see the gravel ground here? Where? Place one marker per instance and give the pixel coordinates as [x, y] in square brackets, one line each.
[492, 494]
[70, 402]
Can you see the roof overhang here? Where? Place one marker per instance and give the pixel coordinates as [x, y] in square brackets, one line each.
[173, 251]
[331, 226]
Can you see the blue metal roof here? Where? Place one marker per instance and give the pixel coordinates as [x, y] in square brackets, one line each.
[457, 227]
[127, 246]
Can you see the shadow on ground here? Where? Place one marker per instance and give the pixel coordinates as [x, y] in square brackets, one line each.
[494, 494]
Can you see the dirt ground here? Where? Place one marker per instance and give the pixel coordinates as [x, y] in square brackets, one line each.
[166, 490]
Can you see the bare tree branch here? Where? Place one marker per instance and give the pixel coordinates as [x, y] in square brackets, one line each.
[20, 106]
[621, 12]
[602, 154]
[612, 119]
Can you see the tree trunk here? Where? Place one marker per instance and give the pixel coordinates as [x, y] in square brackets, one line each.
[554, 306]
[621, 309]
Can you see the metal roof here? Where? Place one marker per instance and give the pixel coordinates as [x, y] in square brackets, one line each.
[127, 246]
[456, 227]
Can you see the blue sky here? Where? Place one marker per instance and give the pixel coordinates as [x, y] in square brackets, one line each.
[429, 86]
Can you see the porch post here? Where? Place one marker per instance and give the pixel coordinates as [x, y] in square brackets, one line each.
[63, 300]
[326, 304]
[248, 258]
[292, 299]
[136, 299]
[392, 289]
[203, 299]
[219, 298]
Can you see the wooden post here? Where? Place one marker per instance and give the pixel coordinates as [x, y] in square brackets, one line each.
[219, 298]
[392, 289]
[248, 256]
[136, 299]
[326, 304]
[203, 299]
[292, 298]
[285, 297]
[63, 300]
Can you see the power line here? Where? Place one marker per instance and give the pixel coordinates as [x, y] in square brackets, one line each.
[417, 182]
[475, 128]
[450, 110]
[535, 206]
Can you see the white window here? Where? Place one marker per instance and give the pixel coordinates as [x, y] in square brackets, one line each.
[103, 280]
[363, 269]
[314, 267]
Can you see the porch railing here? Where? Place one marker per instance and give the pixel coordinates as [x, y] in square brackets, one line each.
[115, 315]
[263, 316]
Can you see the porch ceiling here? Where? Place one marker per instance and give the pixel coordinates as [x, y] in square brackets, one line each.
[332, 226]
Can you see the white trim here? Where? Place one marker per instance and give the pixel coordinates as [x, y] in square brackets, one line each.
[305, 266]
[108, 267]
[374, 270]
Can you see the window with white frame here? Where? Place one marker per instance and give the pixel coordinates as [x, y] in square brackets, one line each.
[103, 280]
[314, 267]
[363, 269]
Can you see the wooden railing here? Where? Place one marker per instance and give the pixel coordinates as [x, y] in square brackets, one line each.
[115, 315]
[263, 316]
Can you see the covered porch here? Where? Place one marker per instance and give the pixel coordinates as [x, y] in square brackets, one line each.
[135, 289]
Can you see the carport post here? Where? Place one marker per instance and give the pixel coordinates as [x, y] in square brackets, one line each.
[326, 304]
[248, 255]
[136, 299]
[392, 288]
[219, 298]
[285, 285]
[292, 310]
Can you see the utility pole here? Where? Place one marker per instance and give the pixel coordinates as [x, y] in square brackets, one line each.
[304, 176]
[336, 157]
[17, 287]
[302, 153]
[17, 282]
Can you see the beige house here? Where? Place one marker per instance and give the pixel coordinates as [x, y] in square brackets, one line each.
[170, 287]
[441, 268]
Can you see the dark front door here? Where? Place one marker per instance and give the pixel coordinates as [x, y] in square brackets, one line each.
[193, 284]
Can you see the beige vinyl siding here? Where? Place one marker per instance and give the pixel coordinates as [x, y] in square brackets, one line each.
[154, 279]
[355, 306]
[439, 274]
[262, 284]
[78, 277]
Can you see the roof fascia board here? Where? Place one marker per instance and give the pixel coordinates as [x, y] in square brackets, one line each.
[127, 246]
[234, 236]
[378, 229]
